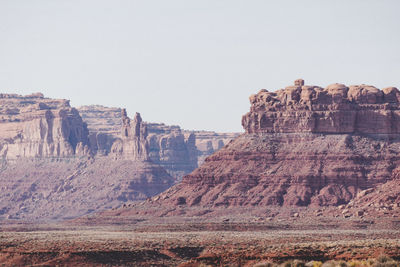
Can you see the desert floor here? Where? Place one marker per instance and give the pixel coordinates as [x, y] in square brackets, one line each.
[191, 241]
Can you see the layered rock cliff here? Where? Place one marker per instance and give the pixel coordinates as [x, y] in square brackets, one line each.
[337, 109]
[172, 148]
[35, 127]
[304, 145]
[104, 125]
[178, 151]
[133, 144]
[49, 171]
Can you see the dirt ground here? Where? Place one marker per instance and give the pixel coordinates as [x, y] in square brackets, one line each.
[197, 241]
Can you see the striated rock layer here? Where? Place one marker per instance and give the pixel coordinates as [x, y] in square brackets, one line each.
[304, 145]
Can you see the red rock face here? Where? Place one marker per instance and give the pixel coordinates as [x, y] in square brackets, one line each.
[303, 145]
[359, 109]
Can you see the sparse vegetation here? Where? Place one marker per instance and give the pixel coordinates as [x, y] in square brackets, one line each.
[148, 244]
[381, 261]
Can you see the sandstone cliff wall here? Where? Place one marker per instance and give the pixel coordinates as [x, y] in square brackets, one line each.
[35, 127]
[178, 151]
[104, 125]
[360, 109]
[132, 144]
[172, 149]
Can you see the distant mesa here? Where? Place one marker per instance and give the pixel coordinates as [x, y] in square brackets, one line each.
[57, 161]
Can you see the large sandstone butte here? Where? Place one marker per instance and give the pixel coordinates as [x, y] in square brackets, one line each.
[303, 145]
[50, 170]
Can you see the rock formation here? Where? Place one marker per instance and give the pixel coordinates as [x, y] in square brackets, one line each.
[104, 125]
[178, 151]
[57, 164]
[172, 148]
[304, 145]
[49, 171]
[337, 109]
[133, 144]
[37, 127]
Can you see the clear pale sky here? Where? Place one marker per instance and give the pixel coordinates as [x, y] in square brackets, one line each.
[193, 63]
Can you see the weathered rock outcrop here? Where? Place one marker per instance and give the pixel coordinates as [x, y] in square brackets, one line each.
[104, 125]
[178, 151]
[36, 127]
[357, 109]
[48, 171]
[133, 144]
[304, 145]
[172, 148]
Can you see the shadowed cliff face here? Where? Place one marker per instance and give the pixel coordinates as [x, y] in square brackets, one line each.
[304, 145]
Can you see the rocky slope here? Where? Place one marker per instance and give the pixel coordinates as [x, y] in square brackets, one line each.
[49, 171]
[46, 189]
[304, 145]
